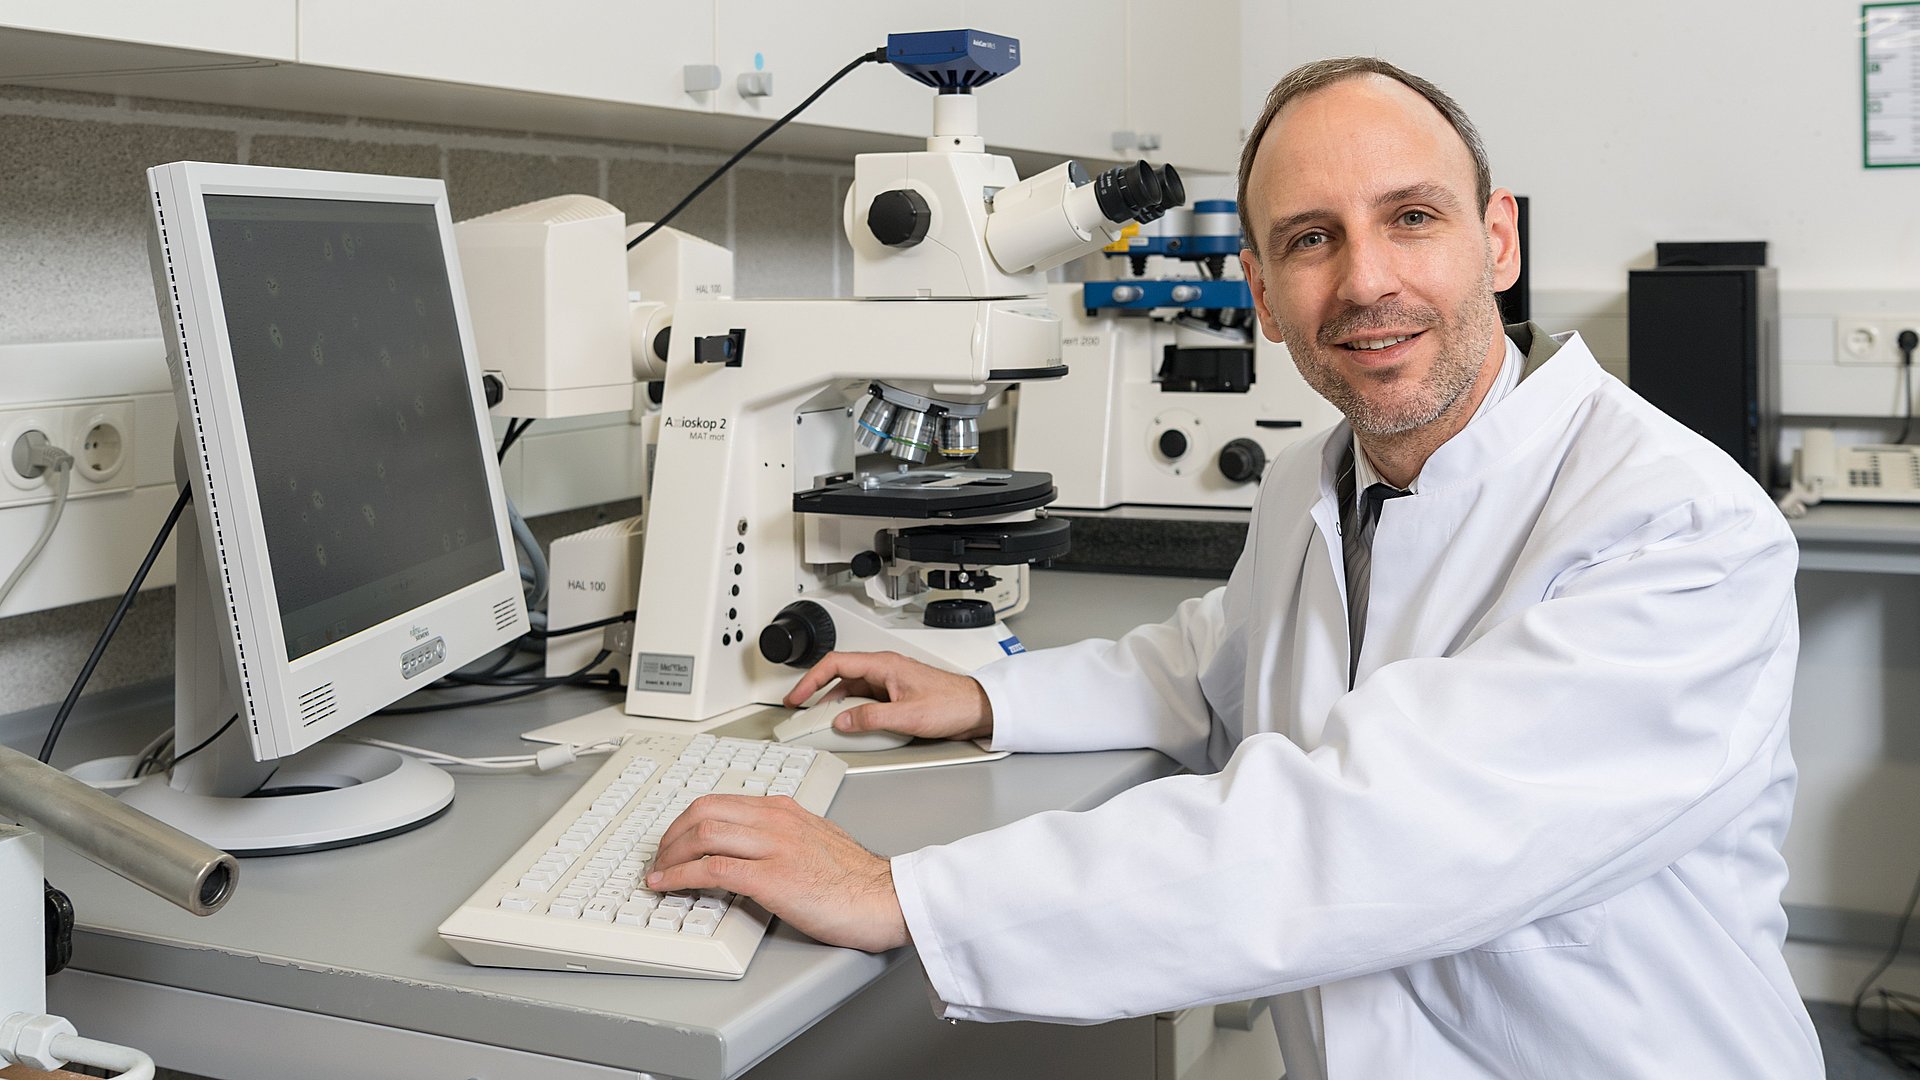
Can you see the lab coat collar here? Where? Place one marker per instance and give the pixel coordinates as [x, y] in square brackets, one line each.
[1560, 368]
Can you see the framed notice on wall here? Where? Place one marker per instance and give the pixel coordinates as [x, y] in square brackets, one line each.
[1890, 84]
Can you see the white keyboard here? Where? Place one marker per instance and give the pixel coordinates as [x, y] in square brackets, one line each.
[574, 897]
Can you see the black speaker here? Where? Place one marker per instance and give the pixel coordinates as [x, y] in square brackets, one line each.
[1516, 304]
[1703, 344]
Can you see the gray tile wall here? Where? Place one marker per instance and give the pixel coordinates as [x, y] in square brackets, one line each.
[73, 263]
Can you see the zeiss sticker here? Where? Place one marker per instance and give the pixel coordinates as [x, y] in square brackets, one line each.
[665, 673]
[1011, 646]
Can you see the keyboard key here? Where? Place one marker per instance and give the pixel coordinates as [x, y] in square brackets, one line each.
[521, 900]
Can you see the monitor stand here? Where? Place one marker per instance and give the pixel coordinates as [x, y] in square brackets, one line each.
[327, 796]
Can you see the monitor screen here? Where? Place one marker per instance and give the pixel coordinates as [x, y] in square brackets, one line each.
[356, 399]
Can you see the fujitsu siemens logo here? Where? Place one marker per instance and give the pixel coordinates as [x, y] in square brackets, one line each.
[418, 633]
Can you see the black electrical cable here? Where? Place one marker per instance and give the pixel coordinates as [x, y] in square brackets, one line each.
[1903, 1048]
[208, 741]
[578, 678]
[513, 435]
[583, 627]
[113, 624]
[877, 56]
[1907, 341]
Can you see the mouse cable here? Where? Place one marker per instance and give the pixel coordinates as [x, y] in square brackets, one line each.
[113, 624]
[877, 56]
[545, 759]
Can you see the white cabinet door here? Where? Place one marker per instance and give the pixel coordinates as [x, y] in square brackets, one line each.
[801, 45]
[262, 29]
[605, 50]
[1068, 96]
[1183, 82]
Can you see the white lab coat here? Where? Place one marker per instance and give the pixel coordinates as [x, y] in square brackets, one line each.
[1541, 835]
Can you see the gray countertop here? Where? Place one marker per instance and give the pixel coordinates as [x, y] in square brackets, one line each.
[350, 933]
[1861, 537]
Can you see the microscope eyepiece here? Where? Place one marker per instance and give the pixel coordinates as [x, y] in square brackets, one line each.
[1138, 192]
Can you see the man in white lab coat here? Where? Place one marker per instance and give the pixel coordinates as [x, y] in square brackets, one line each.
[1488, 729]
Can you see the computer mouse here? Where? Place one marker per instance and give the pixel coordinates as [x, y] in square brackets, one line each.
[814, 727]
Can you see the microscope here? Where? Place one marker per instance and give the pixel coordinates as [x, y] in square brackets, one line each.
[1178, 401]
[766, 545]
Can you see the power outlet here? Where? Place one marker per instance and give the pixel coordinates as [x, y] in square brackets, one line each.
[1871, 339]
[99, 434]
[100, 437]
[19, 489]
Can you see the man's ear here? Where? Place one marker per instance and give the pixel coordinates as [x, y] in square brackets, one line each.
[1257, 288]
[1503, 236]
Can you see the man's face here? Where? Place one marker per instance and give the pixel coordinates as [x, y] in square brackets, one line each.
[1376, 267]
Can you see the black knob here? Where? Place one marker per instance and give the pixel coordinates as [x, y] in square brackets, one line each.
[866, 564]
[899, 218]
[661, 342]
[59, 927]
[1242, 460]
[1173, 444]
[799, 636]
[494, 389]
[657, 391]
[959, 614]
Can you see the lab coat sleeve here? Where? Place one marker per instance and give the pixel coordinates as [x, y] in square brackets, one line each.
[1142, 690]
[1571, 750]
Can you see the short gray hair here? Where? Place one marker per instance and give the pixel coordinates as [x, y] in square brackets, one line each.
[1320, 74]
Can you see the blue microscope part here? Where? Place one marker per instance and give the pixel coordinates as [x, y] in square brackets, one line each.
[1215, 206]
[1181, 247]
[953, 61]
[1098, 295]
[1210, 245]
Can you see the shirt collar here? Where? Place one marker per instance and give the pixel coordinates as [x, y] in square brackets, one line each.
[1365, 475]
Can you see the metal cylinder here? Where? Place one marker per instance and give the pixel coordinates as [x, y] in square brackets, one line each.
[959, 436]
[870, 431]
[912, 435]
[1215, 217]
[153, 855]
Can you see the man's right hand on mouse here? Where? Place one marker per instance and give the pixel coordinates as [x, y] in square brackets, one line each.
[911, 697]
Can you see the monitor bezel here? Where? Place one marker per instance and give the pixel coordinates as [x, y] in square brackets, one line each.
[361, 673]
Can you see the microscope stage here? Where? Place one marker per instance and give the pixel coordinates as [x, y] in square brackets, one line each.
[929, 493]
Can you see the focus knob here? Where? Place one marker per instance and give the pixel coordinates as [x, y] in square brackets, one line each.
[1242, 460]
[959, 614]
[799, 636]
[899, 218]
[1173, 444]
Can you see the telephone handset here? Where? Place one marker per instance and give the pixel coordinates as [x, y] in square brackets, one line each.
[1826, 472]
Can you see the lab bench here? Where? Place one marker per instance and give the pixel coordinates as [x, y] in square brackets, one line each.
[328, 964]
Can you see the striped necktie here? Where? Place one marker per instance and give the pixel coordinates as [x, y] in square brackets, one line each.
[1358, 518]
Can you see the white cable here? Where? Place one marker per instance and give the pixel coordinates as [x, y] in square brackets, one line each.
[544, 760]
[63, 478]
[126, 1062]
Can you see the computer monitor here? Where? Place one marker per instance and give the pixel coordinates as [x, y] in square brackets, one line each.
[349, 540]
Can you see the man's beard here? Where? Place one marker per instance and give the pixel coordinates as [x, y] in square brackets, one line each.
[1463, 342]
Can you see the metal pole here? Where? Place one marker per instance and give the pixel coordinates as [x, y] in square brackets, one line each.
[152, 854]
